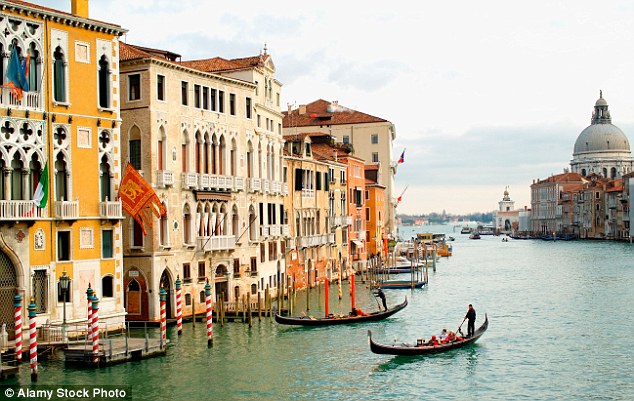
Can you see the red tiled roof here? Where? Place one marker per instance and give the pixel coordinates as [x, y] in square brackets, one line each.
[322, 112]
[131, 52]
[218, 64]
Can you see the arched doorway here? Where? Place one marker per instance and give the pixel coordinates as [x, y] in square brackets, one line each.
[221, 286]
[136, 297]
[8, 288]
[166, 283]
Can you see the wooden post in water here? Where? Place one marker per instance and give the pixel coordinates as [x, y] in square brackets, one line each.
[209, 315]
[249, 317]
[32, 339]
[89, 295]
[267, 301]
[17, 304]
[179, 306]
[280, 289]
[259, 306]
[221, 310]
[308, 292]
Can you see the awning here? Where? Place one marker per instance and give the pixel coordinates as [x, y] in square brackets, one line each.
[207, 195]
[358, 243]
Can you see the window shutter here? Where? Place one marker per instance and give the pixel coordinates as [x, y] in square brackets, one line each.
[326, 182]
[298, 179]
[318, 181]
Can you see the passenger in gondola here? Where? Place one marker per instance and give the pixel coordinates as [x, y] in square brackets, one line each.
[443, 335]
[432, 341]
[451, 337]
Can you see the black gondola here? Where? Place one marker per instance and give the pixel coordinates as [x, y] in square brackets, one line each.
[409, 349]
[332, 320]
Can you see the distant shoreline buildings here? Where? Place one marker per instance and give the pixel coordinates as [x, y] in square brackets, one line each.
[592, 199]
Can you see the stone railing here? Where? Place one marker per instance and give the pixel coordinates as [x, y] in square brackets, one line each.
[67, 210]
[17, 210]
[110, 210]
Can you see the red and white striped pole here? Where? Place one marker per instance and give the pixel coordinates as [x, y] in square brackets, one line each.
[95, 329]
[210, 322]
[89, 294]
[179, 307]
[162, 297]
[32, 340]
[17, 302]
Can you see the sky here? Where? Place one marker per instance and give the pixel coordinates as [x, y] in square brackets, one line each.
[484, 95]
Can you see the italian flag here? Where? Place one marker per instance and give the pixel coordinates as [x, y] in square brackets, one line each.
[40, 197]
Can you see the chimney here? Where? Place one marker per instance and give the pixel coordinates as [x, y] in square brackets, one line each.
[302, 109]
[79, 8]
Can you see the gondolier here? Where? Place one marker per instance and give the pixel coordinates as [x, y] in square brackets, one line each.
[471, 317]
[381, 295]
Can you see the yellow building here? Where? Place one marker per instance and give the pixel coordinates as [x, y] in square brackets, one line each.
[374, 211]
[68, 120]
[311, 252]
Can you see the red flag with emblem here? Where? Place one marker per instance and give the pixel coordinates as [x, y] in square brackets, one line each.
[138, 199]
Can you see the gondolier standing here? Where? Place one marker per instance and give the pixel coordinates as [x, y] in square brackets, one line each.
[471, 317]
[381, 295]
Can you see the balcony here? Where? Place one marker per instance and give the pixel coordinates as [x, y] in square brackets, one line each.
[165, 178]
[221, 182]
[308, 193]
[238, 183]
[276, 187]
[275, 230]
[67, 210]
[204, 181]
[30, 100]
[110, 210]
[285, 230]
[189, 180]
[266, 186]
[255, 185]
[216, 243]
[331, 238]
[284, 189]
[346, 220]
[264, 231]
[14, 210]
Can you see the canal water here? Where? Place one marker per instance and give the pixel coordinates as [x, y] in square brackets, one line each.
[560, 328]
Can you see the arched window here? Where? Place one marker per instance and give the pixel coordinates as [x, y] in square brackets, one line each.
[254, 289]
[104, 179]
[134, 148]
[234, 222]
[201, 297]
[107, 287]
[233, 162]
[199, 149]
[161, 149]
[214, 159]
[605, 172]
[222, 155]
[17, 184]
[184, 152]
[104, 83]
[187, 225]
[61, 178]
[59, 75]
[163, 233]
[583, 172]
[613, 172]
[34, 68]
[188, 299]
[252, 225]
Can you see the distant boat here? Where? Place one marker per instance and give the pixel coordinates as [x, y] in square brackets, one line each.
[466, 230]
[474, 236]
[400, 284]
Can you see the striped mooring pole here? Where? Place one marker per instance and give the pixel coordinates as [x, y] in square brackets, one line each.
[210, 322]
[162, 297]
[179, 307]
[17, 302]
[32, 340]
[95, 329]
[89, 294]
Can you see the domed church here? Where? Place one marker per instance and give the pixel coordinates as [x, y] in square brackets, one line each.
[602, 148]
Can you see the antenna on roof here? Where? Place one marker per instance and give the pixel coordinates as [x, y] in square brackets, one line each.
[265, 48]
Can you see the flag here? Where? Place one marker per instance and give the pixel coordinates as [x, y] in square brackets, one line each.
[402, 158]
[16, 74]
[138, 199]
[399, 199]
[40, 197]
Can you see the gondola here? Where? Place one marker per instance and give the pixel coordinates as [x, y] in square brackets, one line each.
[411, 349]
[333, 320]
[400, 284]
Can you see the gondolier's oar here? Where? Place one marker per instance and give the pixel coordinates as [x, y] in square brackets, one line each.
[459, 327]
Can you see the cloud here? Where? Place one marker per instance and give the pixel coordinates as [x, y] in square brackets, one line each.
[365, 77]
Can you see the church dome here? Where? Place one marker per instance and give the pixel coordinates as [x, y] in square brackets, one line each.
[601, 135]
